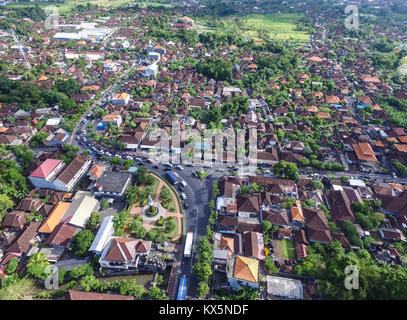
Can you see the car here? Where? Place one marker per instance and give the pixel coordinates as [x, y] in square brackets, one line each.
[183, 196]
[183, 183]
[180, 167]
[78, 137]
[186, 205]
[168, 165]
[129, 158]
[394, 175]
[138, 159]
[150, 161]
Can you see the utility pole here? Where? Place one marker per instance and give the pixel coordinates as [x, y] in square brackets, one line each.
[27, 64]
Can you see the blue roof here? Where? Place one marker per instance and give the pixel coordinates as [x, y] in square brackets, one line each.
[360, 106]
[337, 105]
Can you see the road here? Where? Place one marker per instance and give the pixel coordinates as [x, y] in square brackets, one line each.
[195, 216]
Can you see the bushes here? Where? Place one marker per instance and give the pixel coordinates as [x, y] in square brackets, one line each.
[170, 225]
[203, 289]
[270, 265]
[401, 168]
[82, 241]
[81, 271]
[11, 266]
[217, 69]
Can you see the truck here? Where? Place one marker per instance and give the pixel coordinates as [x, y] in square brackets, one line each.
[188, 245]
[172, 177]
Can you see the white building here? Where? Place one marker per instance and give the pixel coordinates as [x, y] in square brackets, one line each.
[151, 70]
[103, 235]
[284, 288]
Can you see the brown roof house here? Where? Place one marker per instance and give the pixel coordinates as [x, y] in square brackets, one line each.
[392, 234]
[26, 239]
[227, 195]
[248, 205]
[253, 245]
[340, 206]
[83, 295]
[15, 219]
[123, 253]
[72, 173]
[317, 226]
[364, 152]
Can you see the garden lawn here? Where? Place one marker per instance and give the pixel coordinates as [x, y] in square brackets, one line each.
[172, 234]
[155, 187]
[288, 249]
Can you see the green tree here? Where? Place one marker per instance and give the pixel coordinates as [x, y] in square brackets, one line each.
[131, 195]
[82, 241]
[170, 226]
[266, 226]
[202, 290]
[157, 294]
[270, 265]
[104, 204]
[89, 282]
[94, 220]
[37, 265]
[120, 221]
[202, 270]
[11, 266]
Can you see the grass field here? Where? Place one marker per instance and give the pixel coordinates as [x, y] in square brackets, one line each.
[288, 249]
[279, 26]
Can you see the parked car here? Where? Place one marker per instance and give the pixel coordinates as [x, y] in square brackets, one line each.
[180, 167]
[183, 196]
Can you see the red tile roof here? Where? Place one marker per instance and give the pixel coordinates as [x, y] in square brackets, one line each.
[45, 168]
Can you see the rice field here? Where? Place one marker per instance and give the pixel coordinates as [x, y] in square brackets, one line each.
[66, 6]
[278, 26]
